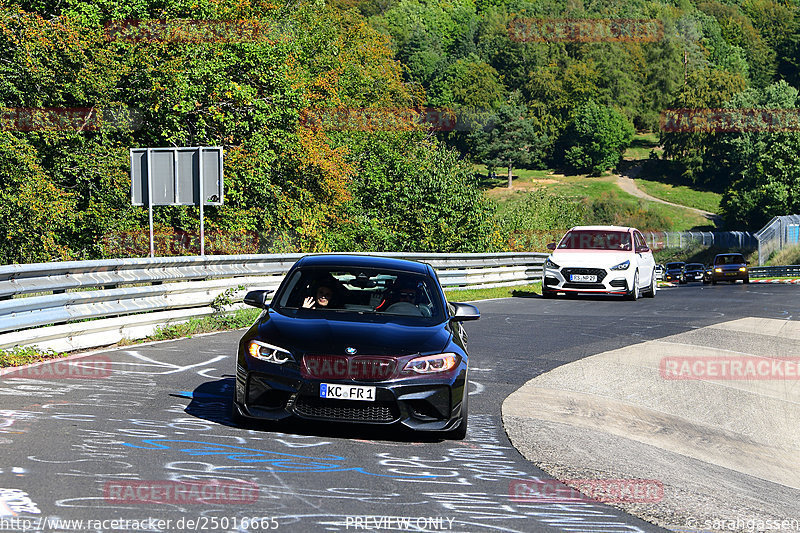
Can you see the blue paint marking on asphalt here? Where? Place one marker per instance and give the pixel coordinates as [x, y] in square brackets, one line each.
[280, 462]
[201, 395]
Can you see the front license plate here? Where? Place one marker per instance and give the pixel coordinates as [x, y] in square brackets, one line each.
[346, 392]
[583, 277]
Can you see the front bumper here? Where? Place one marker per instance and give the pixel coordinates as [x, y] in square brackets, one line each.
[606, 281]
[419, 403]
[730, 275]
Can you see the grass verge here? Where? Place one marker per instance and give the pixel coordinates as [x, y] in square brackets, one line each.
[26, 355]
[469, 295]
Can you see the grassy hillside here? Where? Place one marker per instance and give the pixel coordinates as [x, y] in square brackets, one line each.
[604, 201]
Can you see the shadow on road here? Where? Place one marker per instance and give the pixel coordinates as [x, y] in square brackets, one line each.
[212, 401]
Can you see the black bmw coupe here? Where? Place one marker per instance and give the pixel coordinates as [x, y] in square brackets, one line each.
[355, 338]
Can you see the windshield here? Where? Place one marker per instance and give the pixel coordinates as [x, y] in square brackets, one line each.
[729, 260]
[362, 291]
[595, 240]
[694, 266]
[674, 266]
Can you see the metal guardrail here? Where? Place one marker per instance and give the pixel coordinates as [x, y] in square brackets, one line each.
[775, 271]
[84, 304]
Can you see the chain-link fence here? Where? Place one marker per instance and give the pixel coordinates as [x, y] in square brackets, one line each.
[658, 240]
[779, 233]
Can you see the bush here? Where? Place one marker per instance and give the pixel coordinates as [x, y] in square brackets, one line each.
[415, 196]
[786, 256]
[539, 218]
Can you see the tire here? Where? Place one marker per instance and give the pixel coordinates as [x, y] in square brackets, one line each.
[460, 433]
[634, 294]
[651, 293]
[746, 280]
[713, 282]
[548, 294]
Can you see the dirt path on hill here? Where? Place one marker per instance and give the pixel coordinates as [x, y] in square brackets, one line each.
[626, 183]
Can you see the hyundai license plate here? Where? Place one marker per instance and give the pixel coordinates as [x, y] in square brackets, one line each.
[586, 278]
[346, 392]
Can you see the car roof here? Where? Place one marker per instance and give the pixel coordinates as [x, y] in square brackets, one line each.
[604, 228]
[363, 261]
[726, 255]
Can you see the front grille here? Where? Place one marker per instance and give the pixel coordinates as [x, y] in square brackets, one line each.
[549, 280]
[584, 286]
[620, 283]
[599, 272]
[346, 410]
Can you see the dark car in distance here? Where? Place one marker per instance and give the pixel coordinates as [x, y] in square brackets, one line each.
[675, 271]
[357, 339]
[729, 267]
[707, 274]
[694, 271]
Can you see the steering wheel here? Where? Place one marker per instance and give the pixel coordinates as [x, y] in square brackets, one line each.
[404, 308]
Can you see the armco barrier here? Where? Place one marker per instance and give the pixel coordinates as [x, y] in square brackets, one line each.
[792, 271]
[84, 304]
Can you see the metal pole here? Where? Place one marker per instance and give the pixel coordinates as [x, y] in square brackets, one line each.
[202, 201]
[150, 201]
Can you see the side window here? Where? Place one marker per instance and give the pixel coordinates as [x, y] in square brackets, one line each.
[640, 242]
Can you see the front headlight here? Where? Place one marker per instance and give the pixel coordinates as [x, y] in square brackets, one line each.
[549, 264]
[717, 270]
[622, 266]
[268, 352]
[742, 269]
[430, 364]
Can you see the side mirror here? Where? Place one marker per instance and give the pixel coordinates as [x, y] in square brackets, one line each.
[642, 249]
[465, 312]
[551, 246]
[258, 298]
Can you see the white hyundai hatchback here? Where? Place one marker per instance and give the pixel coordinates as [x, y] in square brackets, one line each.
[600, 259]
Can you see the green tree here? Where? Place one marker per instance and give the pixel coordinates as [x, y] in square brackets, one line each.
[511, 139]
[414, 195]
[595, 139]
[467, 83]
[35, 215]
[764, 165]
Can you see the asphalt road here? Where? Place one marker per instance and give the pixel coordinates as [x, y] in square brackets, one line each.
[96, 450]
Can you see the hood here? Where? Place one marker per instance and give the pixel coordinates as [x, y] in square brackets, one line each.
[332, 336]
[594, 258]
